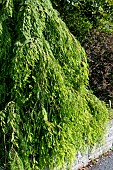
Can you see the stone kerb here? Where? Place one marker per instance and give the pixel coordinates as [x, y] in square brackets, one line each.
[82, 159]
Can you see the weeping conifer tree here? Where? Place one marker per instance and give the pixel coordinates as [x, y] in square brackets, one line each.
[46, 112]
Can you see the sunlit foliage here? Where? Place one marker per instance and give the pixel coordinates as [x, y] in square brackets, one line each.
[47, 113]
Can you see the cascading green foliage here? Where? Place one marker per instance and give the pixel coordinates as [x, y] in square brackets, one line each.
[46, 112]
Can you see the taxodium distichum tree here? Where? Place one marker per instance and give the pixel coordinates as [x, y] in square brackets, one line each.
[46, 112]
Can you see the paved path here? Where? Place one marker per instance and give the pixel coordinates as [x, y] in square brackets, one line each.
[103, 163]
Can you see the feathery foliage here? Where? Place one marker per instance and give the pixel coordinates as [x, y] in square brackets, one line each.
[46, 112]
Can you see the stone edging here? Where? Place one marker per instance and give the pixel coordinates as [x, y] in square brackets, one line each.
[98, 150]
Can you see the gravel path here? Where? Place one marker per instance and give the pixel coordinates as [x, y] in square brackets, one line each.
[103, 163]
